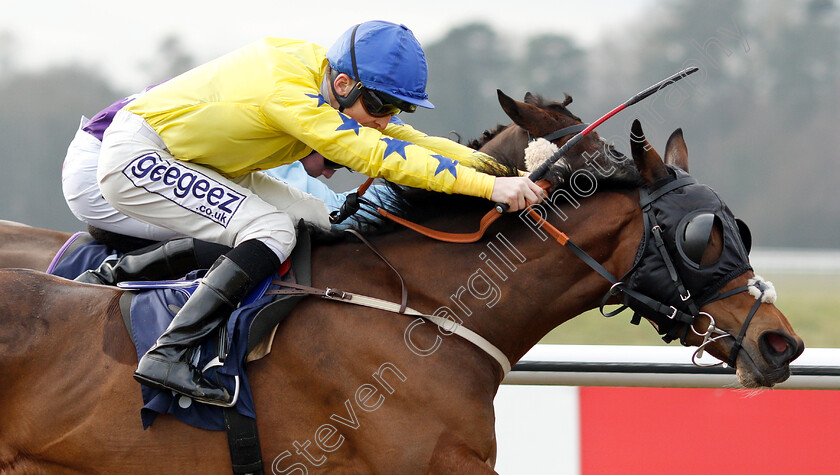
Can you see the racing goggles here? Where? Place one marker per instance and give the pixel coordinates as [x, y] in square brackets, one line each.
[380, 104]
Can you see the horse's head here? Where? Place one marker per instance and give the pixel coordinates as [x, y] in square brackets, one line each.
[693, 274]
[539, 118]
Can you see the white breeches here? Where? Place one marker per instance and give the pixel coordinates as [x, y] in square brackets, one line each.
[140, 178]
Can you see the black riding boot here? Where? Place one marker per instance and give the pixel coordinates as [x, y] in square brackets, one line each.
[164, 366]
[170, 259]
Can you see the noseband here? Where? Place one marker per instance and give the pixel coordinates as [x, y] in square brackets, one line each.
[761, 288]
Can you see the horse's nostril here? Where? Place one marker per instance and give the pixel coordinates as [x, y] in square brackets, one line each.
[778, 343]
[779, 348]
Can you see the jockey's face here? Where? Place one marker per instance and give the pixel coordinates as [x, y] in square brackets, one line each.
[314, 166]
[343, 85]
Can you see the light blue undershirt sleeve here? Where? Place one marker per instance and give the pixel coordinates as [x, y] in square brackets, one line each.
[295, 175]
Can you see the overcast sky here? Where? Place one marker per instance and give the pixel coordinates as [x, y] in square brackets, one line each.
[117, 38]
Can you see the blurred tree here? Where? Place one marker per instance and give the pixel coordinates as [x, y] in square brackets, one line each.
[554, 65]
[465, 69]
[768, 82]
[804, 61]
[711, 35]
[171, 60]
[795, 122]
[759, 118]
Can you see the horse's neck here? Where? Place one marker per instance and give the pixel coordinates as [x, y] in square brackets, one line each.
[511, 287]
[508, 145]
[553, 285]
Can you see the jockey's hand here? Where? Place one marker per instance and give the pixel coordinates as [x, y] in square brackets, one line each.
[516, 192]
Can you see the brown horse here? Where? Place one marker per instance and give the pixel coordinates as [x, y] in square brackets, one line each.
[350, 389]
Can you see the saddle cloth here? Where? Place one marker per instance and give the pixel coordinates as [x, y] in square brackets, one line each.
[149, 307]
[79, 254]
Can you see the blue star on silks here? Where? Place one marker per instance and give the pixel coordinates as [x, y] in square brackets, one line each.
[394, 146]
[321, 100]
[349, 124]
[446, 163]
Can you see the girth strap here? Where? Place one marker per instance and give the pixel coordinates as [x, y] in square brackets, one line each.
[243, 442]
[373, 302]
[403, 289]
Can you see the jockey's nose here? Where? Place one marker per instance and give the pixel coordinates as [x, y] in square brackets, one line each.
[381, 122]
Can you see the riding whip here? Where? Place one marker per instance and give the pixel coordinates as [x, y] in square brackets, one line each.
[543, 168]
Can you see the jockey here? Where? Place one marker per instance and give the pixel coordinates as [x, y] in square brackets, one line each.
[171, 256]
[183, 157]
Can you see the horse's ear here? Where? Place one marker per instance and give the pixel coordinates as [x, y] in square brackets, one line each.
[676, 153]
[531, 99]
[510, 106]
[567, 100]
[648, 162]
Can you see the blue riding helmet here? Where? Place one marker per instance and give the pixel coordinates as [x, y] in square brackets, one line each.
[383, 57]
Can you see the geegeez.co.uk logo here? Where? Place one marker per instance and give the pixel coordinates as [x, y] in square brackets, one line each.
[184, 186]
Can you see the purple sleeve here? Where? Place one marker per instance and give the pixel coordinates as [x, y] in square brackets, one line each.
[98, 123]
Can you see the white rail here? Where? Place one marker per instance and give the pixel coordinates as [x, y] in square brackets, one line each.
[656, 366]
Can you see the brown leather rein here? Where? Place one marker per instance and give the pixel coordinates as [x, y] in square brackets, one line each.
[485, 223]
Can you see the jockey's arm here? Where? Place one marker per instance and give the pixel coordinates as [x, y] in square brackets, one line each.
[374, 153]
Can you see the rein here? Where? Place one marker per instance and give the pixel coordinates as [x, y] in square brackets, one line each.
[351, 204]
[491, 216]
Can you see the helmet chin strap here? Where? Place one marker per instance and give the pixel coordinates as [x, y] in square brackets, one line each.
[352, 96]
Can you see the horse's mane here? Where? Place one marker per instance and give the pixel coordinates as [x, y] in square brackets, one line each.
[486, 136]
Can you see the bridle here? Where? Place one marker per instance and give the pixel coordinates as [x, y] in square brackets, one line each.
[720, 334]
[672, 320]
[560, 133]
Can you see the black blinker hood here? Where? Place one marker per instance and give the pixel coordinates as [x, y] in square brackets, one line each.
[660, 271]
